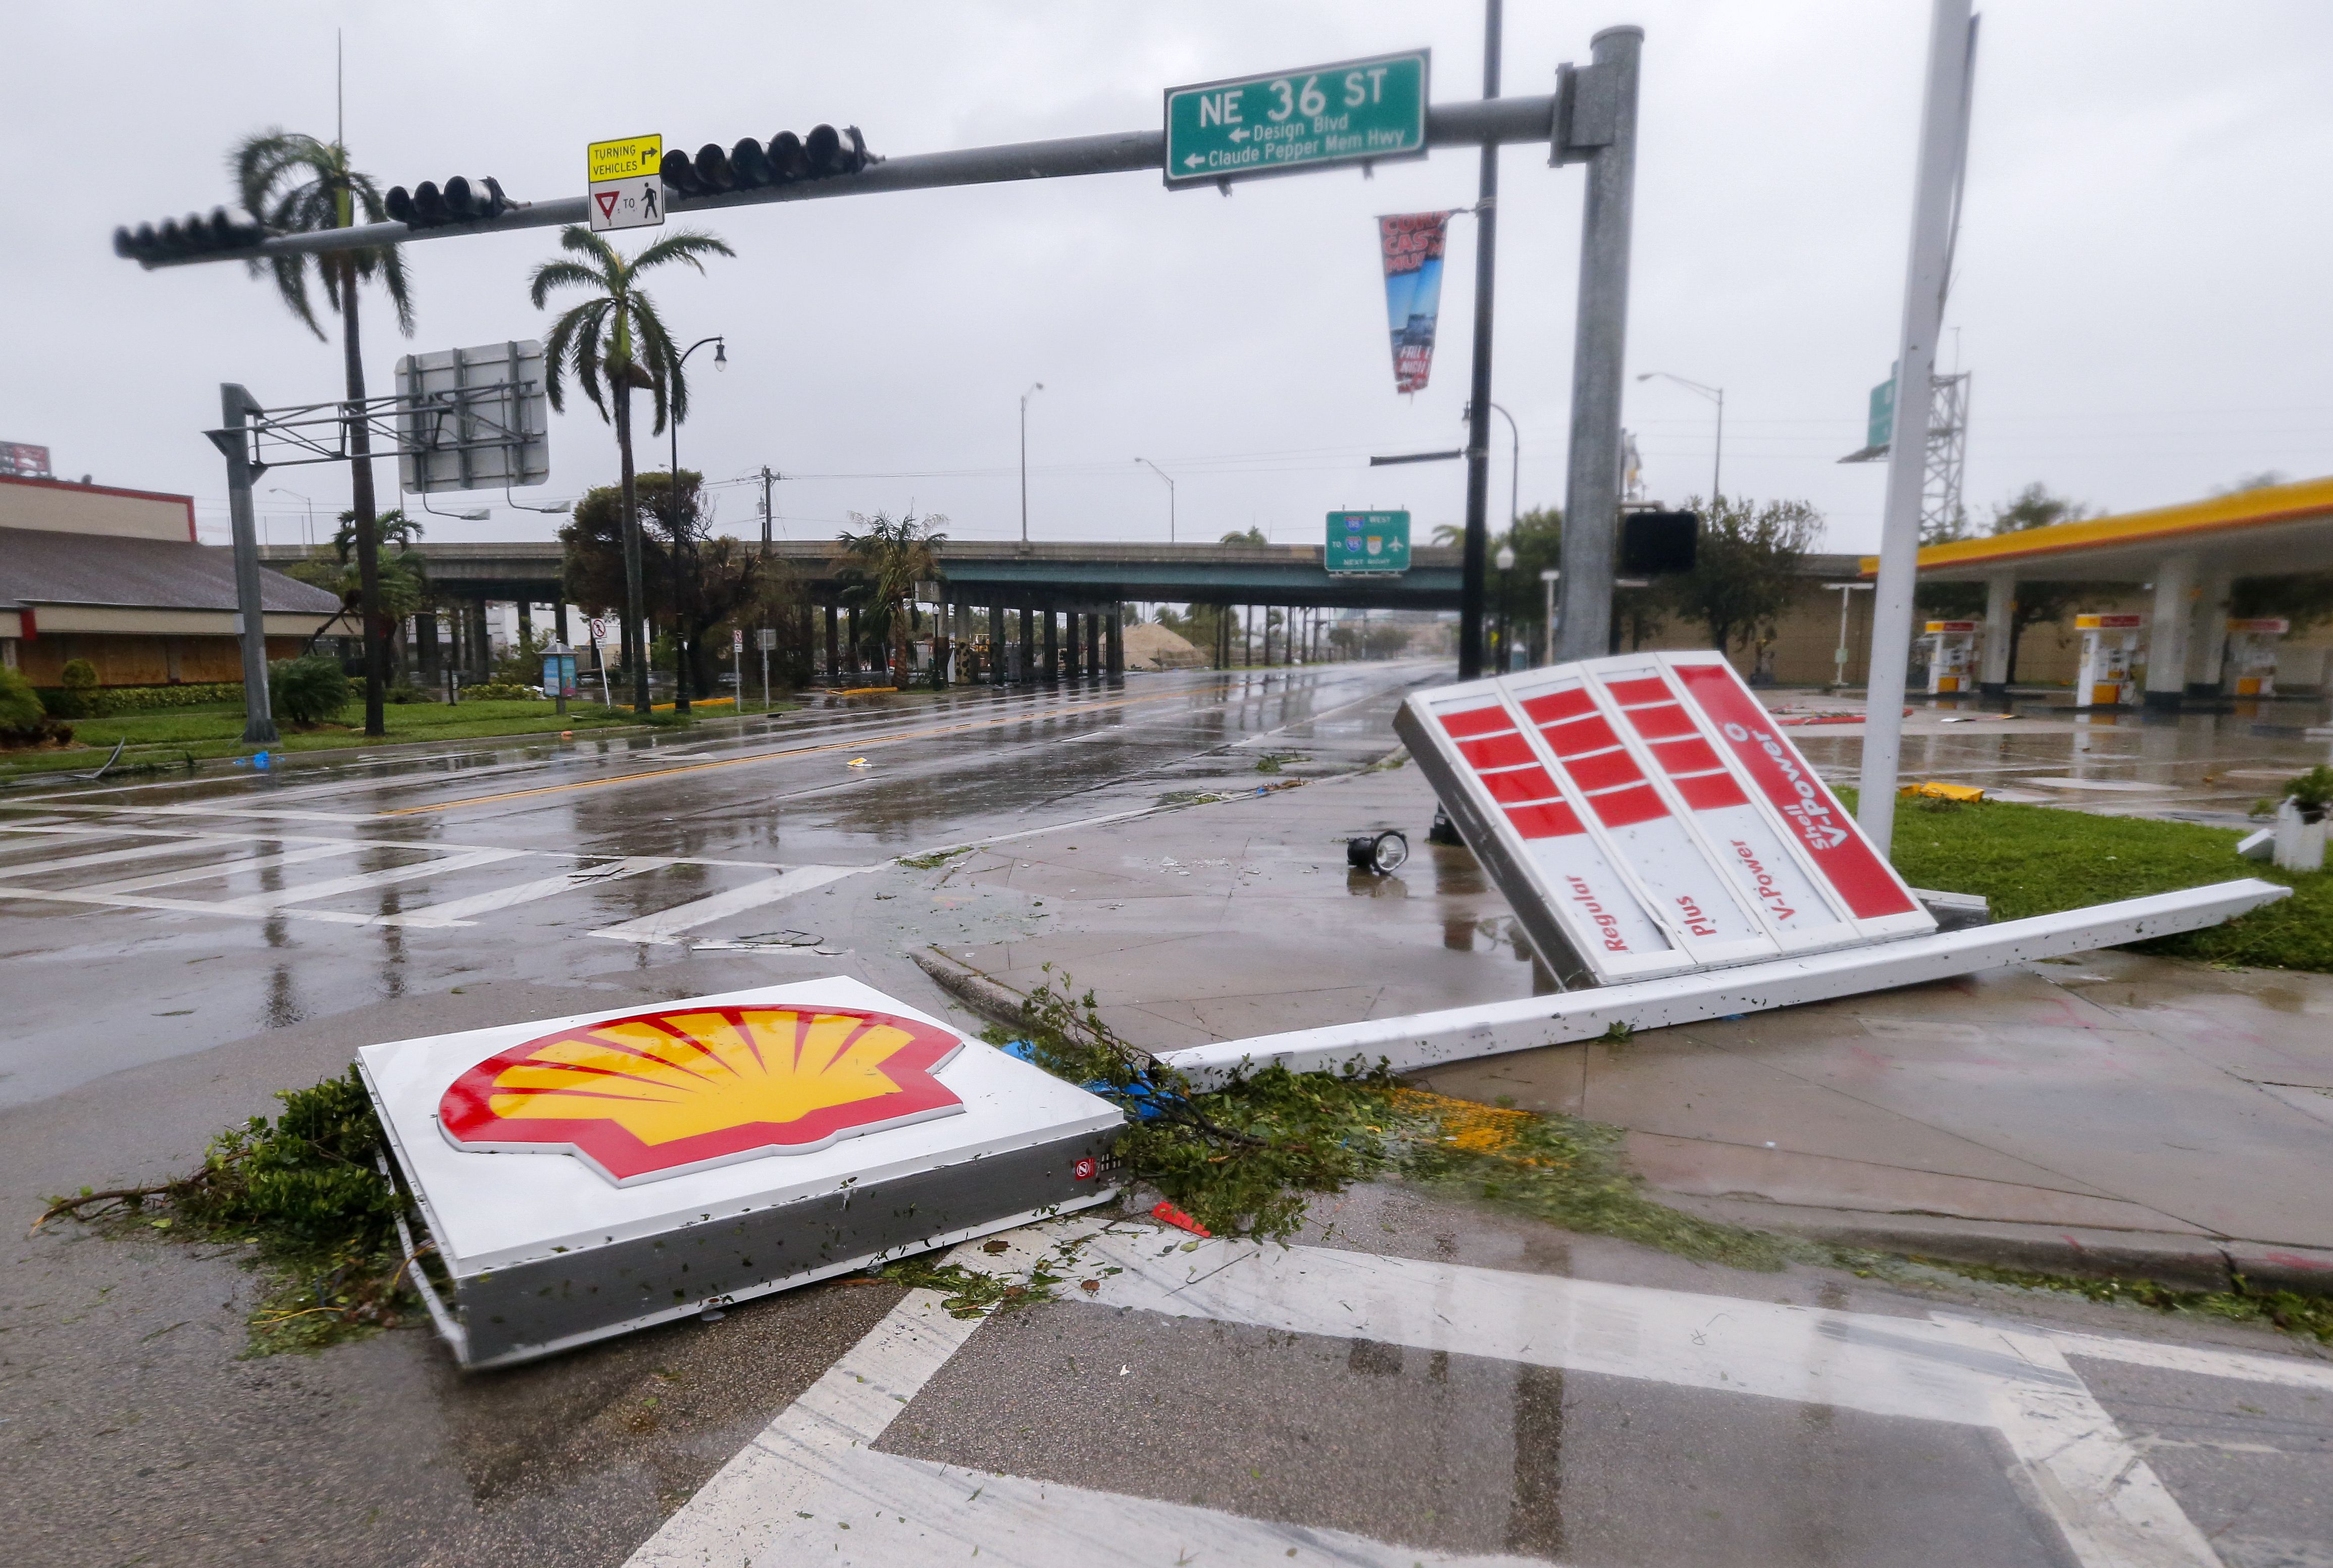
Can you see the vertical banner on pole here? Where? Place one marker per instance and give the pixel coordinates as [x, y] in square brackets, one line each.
[1411, 244]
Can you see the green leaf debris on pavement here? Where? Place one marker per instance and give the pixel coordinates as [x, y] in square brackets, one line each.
[305, 1191]
[2031, 860]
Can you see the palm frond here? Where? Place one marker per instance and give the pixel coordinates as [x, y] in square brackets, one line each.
[658, 358]
[591, 363]
[681, 245]
[580, 239]
[552, 275]
[291, 274]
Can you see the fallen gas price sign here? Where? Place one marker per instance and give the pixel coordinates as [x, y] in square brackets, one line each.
[1672, 857]
[585, 1176]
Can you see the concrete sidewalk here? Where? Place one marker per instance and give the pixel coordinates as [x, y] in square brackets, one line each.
[2114, 1114]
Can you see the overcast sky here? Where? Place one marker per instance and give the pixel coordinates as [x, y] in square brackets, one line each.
[2140, 293]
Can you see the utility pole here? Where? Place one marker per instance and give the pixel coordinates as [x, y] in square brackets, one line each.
[1598, 128]
[1944, 137]
[768, 479]
[1478, 410]
[1036, 386]
[258, 715]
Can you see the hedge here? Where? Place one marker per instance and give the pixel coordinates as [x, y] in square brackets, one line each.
[104, 701]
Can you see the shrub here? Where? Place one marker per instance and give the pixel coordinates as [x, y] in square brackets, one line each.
[309, 690]
[73, 698]
[499, 692]
[21, 716]
[110, 700]
[406, 691]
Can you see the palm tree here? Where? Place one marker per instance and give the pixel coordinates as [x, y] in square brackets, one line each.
[612, 343]
[889, 557]
[294, 184]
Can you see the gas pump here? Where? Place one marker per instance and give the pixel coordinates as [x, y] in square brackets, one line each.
[1952, 654]
[2251, 655]
[2110, 650]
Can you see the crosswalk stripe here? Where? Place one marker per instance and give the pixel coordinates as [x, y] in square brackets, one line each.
[669, 925]
[269, 903]
[222, 868]
[460, 911]
[182, 846]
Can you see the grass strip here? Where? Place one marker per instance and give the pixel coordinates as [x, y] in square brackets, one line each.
[2029, 860]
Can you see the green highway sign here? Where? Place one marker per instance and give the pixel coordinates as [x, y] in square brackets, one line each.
[1366, 542]
[1356, 111]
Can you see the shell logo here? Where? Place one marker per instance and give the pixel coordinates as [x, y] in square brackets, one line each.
[661, 1094]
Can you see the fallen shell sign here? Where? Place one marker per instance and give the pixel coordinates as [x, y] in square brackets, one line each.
[659, 1093]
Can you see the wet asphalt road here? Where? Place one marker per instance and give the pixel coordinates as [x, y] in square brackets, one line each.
[245, 935]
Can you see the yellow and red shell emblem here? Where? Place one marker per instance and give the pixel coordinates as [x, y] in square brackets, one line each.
[659, 1093]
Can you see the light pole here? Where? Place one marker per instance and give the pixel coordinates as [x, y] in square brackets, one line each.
[1170, 494]
[1514, 467]
[279, 489]
[680, 642]
[1506, 564]
[1715, 395]
[1549, 576]
[1034, 386]
[1847, 592]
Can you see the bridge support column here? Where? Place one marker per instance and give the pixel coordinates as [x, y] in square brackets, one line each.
[424, 642]
[558, 625]
[850, 659]
[1052, 646]
[1117, 645]
[1073, 626]
[482, 643]
[1093, 644]
[525, 623]
[833, 642]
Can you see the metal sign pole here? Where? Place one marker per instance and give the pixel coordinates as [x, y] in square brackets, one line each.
[251, 619]
[1924, 280]
[1602, 125]
[1478, 411]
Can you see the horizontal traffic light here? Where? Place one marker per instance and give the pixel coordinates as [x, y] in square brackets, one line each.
[751, 164]
[194, 235]
[461, 199]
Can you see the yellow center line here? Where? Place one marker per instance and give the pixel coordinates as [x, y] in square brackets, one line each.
[924, 734]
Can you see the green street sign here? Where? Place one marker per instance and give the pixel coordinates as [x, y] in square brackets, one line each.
[1356, 111]
[1366, 542]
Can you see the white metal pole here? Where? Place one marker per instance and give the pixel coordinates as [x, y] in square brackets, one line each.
[1924, 280]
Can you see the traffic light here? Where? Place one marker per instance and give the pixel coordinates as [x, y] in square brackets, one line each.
[751, 164]
[172, 239]
[461, 199]
[1658, 543]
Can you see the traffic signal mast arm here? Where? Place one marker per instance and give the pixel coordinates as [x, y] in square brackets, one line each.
[1498, 120]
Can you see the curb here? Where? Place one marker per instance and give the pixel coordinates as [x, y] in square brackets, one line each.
[2181, 1261]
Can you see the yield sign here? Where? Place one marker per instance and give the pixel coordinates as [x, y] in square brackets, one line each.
[637, 202]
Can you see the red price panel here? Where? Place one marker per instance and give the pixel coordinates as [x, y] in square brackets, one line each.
[1640, 823]
[1738, 838]
[1472, 742]
[1809, 816]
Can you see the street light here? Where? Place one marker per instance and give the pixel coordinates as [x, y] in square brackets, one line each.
[1505, 561]
[1170, 494]
[1034, 386]
[279, 489]
[1549, 576]
[1847, 592]
[672, 425]
[1716, 394]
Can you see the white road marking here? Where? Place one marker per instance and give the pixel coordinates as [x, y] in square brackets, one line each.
[671, 925]
[364, 881]
[460, 911]
[810, 1485]
[813, 1469]
[177, 845]
[217, 869]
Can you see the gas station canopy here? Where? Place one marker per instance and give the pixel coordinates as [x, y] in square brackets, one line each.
[2273, 531]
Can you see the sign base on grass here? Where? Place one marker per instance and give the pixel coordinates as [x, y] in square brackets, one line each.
[1645, 815]
[584, 1176]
